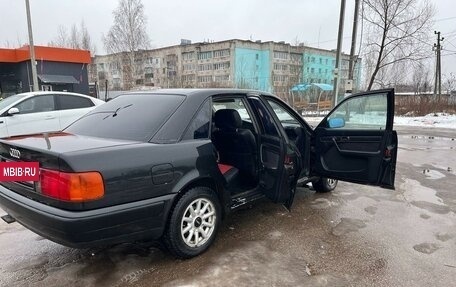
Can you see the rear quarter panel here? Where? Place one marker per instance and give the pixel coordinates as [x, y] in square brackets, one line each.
[127, 170]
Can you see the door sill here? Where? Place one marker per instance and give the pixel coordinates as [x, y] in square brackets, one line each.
[246, 197]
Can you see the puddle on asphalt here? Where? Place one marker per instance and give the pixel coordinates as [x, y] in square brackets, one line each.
[371, 210]
[427, 248]
[444, 236]
[347, 225]
[425, 216]
[415, 192]
[433, 174]
[322, 203]
[432, 207]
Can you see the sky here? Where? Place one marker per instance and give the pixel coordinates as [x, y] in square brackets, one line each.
[314, 22]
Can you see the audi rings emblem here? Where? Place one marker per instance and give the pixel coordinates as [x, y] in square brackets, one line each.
[15, 153]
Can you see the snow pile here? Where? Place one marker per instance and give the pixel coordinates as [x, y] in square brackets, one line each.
[438, 120]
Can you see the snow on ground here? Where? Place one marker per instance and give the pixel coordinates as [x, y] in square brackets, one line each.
[437, 120]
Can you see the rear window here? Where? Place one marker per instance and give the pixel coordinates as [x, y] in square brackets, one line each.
[68, 102]
[128, 117]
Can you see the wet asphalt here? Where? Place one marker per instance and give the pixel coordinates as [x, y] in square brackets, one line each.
[354, 236]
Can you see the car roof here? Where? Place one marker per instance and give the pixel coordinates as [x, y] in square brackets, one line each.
[203, 92]
[38, 93]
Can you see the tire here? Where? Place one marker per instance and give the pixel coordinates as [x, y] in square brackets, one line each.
[324, 185]
[183, 235]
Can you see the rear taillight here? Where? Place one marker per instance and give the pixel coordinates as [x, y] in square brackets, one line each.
[77, 187]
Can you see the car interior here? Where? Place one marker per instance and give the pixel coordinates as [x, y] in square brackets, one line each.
[235, 139]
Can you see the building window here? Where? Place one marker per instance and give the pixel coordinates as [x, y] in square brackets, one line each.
[319, 70]
[312, 70]
[222, 66]
[326, 61]
[189, 67]
[321, 61]
[280, 78]
[101, 75]
[312, 59]
[280, 55]
[256, 56]
[205, 79]
[100, 66]
[308, 70]
[205, 55]
[222, 78]
[188, 78]
[296, 57]
[280, 67]
[188, 55]
[221, 53]
[205, 67]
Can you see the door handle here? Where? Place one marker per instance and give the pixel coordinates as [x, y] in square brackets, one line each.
[49, 117]
[341, 139]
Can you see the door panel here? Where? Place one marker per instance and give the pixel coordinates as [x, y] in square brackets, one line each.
[356, 143]
[274, 180]
[36, 114]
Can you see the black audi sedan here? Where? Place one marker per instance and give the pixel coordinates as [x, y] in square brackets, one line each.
[171, 164]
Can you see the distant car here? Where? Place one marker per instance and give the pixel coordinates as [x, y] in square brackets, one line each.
[171, 164]
[36, 112]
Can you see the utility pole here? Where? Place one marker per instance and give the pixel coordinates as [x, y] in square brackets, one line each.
[351, 68]
[438, 66]
[32, 47]
[339, 51]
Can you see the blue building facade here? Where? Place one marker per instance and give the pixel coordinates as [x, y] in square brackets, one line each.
[252, 69]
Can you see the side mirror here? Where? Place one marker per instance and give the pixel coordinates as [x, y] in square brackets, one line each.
[13, 111]
[336, 123]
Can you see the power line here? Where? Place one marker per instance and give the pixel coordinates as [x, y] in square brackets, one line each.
[445, 19]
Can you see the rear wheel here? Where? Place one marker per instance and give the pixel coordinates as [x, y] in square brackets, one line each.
[194, 222]
[324, 184]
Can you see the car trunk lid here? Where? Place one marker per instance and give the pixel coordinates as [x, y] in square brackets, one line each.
[47, 149]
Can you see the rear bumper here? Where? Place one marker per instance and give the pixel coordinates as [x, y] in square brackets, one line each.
[139, 220]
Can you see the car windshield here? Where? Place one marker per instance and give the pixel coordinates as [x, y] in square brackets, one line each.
[128, 117]
[10, 100]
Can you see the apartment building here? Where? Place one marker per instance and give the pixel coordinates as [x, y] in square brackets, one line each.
[270, 66]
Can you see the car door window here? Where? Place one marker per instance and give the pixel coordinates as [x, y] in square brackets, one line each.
[234, 104]
[239, 105]
[363, 113]
[199, 127]
[267, 123]
[285, 118]
[74, 102]
[37, 104]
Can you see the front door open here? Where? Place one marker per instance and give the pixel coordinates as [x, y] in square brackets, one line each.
[356, 141]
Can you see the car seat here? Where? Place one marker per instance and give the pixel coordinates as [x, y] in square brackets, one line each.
[236, 146]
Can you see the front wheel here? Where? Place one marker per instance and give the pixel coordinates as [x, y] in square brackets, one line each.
[324, 184]
[193, 224]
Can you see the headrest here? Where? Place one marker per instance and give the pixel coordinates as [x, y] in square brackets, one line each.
[227, 119]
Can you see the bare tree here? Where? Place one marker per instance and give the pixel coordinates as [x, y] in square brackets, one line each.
[85, 39]
[128, 35]
[421, 81]
[79, 38]
[450, 83]
[397, 34]
[61, 40]
[74, 40]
